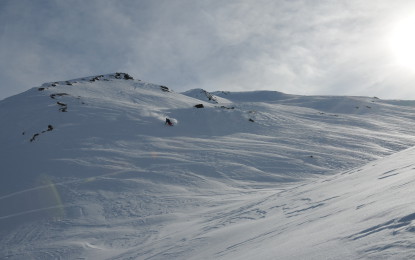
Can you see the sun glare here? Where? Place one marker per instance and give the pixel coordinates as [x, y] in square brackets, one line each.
[402, 42]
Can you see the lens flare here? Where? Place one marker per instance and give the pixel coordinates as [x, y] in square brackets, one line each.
[48, 196]
[402, 42]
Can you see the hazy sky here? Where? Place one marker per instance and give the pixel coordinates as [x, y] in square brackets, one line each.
[323, 47]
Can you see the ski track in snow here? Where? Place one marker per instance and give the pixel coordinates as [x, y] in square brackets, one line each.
[111, 181]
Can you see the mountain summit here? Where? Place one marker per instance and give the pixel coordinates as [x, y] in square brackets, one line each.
[90, 170]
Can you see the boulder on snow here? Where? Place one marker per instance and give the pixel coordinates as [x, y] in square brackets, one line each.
[50, 128]
[199, 106]
[121, 75]
[96, 78]
[64, 107]
[34, 137]
[127, 77]
[58, 95]
[164, 88]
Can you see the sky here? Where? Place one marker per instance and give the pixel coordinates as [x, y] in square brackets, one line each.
[319, 47]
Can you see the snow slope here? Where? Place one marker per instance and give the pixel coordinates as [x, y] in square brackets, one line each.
[205, 96]
[89, 171]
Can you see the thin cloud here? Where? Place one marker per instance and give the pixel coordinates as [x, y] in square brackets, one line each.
[299, 47]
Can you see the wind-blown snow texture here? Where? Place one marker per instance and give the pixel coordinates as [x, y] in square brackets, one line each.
[89, 170]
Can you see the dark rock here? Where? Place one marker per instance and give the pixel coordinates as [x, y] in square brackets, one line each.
[64, 107]
[209, 96]
[50, 128]
[34, 137]
[96, 78]
[58, 95]
[121, 75]
[199, 106]
[127, 77]
[165, 89]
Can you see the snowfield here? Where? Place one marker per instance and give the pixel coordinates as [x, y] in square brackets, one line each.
[89, 170]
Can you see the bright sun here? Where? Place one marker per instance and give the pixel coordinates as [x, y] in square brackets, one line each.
[402, 42]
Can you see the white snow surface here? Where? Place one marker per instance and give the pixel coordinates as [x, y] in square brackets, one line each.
[202, 94]
[254, 175]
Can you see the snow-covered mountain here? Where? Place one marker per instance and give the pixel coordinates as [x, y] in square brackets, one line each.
[89, 170]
